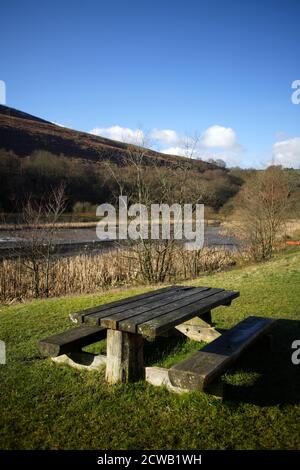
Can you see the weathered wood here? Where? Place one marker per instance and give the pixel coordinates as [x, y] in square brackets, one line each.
[125, 357]
[111, 316]
[159, 377]
[198, 329]
[70, 340]
[80, 317]
[198, 333]
[82, 360]
[183, 300]
[158, 325]
[198, 371]
[124, 320]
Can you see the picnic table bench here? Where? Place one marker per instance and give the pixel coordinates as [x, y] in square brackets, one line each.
[128, 322]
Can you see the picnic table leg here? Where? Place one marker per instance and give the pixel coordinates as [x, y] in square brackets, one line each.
[206, 317]
[125, 358]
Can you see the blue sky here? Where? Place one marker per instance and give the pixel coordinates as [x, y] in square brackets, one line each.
[221, 69]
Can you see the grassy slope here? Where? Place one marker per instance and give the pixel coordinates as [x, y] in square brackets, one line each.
[43, 405]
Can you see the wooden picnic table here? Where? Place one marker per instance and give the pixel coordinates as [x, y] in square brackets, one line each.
[132, 320]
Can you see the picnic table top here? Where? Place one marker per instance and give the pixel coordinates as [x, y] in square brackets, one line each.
[157, 311]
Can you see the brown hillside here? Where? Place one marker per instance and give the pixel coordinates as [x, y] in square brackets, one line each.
[23, 134]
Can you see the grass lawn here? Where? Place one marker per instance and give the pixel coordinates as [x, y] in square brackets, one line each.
[47, 406]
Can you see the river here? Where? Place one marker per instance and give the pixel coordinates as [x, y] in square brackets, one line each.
[84, 240]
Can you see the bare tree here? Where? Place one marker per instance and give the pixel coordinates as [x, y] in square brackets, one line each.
[150, 182]
[263, 210]
[190, 143]
[153, 256]
[39, 220]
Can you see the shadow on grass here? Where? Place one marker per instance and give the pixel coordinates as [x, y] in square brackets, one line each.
[278, 381]
[274, 379]
[163, 347]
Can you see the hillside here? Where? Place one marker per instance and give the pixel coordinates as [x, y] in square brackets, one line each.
[37, 155]
[24, 134]
[11, 112]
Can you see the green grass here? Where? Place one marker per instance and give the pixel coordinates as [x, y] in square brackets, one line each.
[46, 406]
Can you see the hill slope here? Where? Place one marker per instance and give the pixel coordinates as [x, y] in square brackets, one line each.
[23, 134]
[37, 155]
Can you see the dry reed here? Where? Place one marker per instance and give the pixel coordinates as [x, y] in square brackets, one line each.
[90, 273]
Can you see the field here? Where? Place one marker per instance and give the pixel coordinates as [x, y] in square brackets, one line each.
[46, 406]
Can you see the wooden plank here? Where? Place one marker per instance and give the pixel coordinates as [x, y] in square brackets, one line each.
[115, 314]
[70, 340]
[198, 371]
[145, 311]
[131, 324]
[155, 327]
[81, 316]
[125, 360]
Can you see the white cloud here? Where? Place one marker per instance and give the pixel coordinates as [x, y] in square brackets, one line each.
[221, 140]
[181, 151]
[165, 136]
[287, 153]
[122, 134]
[219, 137]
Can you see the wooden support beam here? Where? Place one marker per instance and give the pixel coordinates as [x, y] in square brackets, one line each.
[198, 333]
[199, 328]
[125, 357]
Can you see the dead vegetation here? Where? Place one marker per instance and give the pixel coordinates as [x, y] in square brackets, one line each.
[90, 273]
